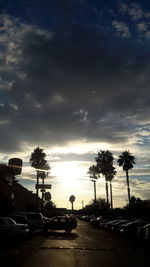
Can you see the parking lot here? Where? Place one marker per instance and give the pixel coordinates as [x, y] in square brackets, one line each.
[84, 246]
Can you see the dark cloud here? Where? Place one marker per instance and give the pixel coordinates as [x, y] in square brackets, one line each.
[70, 83]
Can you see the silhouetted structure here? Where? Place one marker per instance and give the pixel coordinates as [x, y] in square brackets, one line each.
[92, 172]
[39, 162]
[72, 199]
[13, 196]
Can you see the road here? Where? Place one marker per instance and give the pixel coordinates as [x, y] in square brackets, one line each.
[84, 247]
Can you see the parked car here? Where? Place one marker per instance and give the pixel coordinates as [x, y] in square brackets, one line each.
[46, 219]
[9, 227]
[131, 229]
[102, 223]
[35, 220]
[142, 231]
[19, 219]
[67, 223]
[96, 221]
[147, 232]
[115, 227]
[108, 224]
[87, 218]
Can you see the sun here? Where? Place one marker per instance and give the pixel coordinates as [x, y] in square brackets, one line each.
[69, 172]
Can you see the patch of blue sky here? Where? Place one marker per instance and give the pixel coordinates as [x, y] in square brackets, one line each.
[141, 177]
[29, 184]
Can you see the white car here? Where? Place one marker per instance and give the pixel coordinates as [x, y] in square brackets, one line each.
[9, 227]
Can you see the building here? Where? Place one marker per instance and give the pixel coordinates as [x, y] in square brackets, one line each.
[13, 196]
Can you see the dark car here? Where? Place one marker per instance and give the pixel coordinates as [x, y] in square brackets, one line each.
[95, 222]
[115, 227]
[19, 219]
[109, 224]
[131, 229]
[147, 233]
[67, 223]
[144, 232]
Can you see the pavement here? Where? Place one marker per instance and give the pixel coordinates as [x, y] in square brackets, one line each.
[84, 247]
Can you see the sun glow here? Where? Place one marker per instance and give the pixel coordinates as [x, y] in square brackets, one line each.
[70, 173]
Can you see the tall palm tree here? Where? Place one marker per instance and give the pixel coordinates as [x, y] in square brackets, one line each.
[111, 174]
[104, 160]
[43, 174]
[72, 199]
[92, 172]
[126, 160]
[37, 160]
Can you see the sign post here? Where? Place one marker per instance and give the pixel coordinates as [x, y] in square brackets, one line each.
[45, 186]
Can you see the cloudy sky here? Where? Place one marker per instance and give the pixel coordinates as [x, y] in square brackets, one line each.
[74, 79]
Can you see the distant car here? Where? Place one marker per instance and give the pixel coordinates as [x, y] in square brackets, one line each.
[67, 223]
[9, 227]
[102, 223]
[96, 221]
[109, 224]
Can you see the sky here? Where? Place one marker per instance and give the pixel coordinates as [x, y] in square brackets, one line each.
[74, 80]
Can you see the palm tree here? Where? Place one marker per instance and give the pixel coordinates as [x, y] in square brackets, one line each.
[92, 172]
[72, 199]
[43, 174]
[37, 160]
[104, 160]
[111, 174]
[126, 159]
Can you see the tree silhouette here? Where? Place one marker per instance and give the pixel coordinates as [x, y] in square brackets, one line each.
[104, 160]
[110, 175]
[98, 207]
[72, 199]
[126, 160]
[37, 160]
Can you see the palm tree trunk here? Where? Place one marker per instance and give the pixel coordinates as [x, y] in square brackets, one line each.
[42, 193]
[37, 190]
[94, 191]
[128, 185]
[111, 196]
[106, 184]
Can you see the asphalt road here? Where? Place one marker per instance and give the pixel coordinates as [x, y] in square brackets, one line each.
[84, 247]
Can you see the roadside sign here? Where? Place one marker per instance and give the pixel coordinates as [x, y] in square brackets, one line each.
[46, 186]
